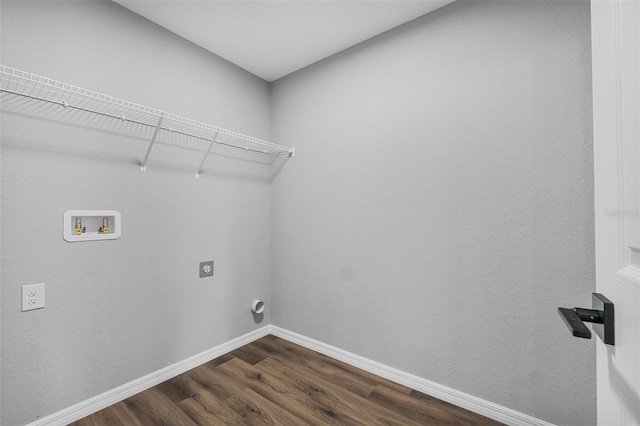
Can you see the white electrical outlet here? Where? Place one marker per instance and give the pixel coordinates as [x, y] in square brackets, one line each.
[32, 296]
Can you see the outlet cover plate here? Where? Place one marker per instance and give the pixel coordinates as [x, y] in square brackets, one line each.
[32, 297]
[206, 269]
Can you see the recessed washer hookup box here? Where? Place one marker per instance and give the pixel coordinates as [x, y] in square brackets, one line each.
[91, 225]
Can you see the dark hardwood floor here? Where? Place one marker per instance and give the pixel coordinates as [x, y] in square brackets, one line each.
[272, 381]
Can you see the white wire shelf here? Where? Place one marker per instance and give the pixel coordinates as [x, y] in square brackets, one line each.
[166, 126]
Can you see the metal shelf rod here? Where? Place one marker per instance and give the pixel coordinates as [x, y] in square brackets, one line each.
[30, 85]
[65, 104]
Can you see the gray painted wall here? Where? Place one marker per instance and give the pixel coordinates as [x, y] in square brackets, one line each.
[118, 310]
[438, 212]
[439, 208]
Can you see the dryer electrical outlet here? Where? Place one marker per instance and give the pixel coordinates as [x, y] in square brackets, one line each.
[32, 296]
[206, 269]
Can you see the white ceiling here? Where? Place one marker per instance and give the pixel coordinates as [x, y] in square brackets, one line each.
[272, 38]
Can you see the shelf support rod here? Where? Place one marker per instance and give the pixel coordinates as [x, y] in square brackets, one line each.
[213, 140]
[143, 166]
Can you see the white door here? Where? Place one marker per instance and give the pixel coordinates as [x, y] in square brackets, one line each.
[615, 32]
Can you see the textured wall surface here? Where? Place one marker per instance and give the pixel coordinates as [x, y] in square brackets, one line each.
[439, 208]
[118, 310]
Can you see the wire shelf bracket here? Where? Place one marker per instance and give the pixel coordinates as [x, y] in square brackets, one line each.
[143, 166]
[15, 82]
[213, 140]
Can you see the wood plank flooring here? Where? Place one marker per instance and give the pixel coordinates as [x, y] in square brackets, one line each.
[274, 382]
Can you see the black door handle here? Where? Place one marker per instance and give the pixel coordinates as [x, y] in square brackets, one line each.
[601, 316]
[574, 323]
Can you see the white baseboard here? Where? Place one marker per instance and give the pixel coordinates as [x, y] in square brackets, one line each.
[97, 403]
[469, 402]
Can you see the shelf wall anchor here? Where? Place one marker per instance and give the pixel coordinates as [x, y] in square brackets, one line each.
[143, 166]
